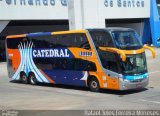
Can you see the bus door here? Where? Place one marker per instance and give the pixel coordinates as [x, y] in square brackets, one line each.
[109, 60]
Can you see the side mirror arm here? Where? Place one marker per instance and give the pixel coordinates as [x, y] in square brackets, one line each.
[151, 49]
[115, 50]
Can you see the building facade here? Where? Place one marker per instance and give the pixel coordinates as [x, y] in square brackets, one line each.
[26, 16]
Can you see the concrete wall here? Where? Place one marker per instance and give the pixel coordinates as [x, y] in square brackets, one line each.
[92, 13]
[33, 9]
[3, 24]
[12, 30]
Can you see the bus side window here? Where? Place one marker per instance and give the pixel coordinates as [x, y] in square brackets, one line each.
[13, 43]
[109, 61]
[102, 39]
[62, 64]
[82, 41]
[91, 66]
[53, 41]
[65, 40]
[70, 64]
[84, 65]
[73, 40]
[43, 41]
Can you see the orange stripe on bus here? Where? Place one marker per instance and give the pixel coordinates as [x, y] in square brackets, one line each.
[68, 32]
[49, 78]
[16, 36]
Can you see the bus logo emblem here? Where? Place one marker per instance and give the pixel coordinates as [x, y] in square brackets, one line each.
[51, 53]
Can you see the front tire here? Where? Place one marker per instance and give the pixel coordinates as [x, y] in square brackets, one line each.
[94, 85]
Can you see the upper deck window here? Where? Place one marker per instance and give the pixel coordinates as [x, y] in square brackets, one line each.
[78, 40]
[101, 39]
[60, 41]
[72, 40]
[13, 43]
[126, 40]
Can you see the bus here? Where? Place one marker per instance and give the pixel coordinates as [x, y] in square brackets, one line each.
[109, 58]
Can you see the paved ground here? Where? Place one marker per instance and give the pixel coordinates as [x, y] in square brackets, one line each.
[51, 97]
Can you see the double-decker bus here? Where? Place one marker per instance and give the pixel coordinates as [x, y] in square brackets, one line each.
[110, 58]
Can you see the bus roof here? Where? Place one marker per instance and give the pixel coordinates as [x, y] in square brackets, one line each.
[45, 33]
[16, 36]
[68, 32]
[110, 29]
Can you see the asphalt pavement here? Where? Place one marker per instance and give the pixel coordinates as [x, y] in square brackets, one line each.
[57, 97]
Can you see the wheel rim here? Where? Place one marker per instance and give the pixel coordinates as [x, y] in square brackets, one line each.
[24, 78]
[94, 84]
[32, 79]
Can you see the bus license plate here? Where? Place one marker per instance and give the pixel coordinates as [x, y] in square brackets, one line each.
[139, 85]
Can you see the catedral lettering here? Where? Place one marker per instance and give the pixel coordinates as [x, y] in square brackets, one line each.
[110, 58]
[50, 53]
[124, 3]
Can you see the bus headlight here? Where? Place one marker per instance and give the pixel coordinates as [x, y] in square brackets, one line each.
[120, 76]
[126, 80]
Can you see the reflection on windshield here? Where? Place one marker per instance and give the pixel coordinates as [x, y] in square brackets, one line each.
[126, 40]
[134, 64]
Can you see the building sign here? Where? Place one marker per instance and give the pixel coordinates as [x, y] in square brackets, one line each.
[57, 9]
[33, 2]
[117, 9]
[124, 3]
[33, 9]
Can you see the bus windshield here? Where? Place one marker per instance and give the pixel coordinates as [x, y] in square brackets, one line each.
[126, 40]
[134, 64]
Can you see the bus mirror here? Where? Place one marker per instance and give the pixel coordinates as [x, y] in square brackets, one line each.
[151, 49]
[115, 50]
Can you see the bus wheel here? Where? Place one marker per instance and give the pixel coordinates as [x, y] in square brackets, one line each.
[93, 85]
[24, 78]
[32, 79]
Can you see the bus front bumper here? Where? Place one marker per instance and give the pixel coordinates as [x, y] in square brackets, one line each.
[136, 84]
